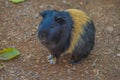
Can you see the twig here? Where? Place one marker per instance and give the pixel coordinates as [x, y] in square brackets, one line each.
[94, 62]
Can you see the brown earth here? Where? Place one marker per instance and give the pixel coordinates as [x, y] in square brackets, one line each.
[18, 28]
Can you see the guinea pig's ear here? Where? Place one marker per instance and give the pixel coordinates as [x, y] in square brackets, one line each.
[43, 14]
[59, 19]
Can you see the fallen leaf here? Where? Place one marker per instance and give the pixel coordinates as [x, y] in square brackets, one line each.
[8, 53]
[17, 1]
[1, 66]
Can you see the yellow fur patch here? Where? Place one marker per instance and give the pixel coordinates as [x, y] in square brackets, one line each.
[80, 19]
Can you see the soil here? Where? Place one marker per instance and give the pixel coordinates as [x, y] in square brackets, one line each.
[18, 28]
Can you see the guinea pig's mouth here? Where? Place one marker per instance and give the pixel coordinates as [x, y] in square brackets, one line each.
[49, 44]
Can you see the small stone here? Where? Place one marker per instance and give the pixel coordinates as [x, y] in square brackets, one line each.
[42, 61]
[64, 1]
[81, 3]
[54, 72]
[117, 67]
[118, 48]
[4, 41]
[12, 72]
[33, 31]
[69, 71]
[110, 29]
[96, 71]
[82, 75]
[67, 66]
[74, 68]
[23, 78]
[38, 60]
[114, 25]
[36, 16]
[118, 54]
[29, 56]
[6, 4]
[106, 53]
[86, 72]
[118, 38]
[69, 78]
[42, 6]
[64, 61]
[24, 14]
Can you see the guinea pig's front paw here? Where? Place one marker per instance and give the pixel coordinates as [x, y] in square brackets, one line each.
[51, 59]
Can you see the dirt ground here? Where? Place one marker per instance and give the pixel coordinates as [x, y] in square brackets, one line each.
[18, 28]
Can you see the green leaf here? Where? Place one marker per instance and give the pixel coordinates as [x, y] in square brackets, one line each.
[8, 53]
[2, 66]
[17, 1]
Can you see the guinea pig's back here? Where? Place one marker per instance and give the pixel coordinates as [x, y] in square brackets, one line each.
[83, 32]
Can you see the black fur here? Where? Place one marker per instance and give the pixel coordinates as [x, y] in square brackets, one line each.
[55, 33]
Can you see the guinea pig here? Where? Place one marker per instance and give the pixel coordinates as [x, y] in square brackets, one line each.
[68, 31]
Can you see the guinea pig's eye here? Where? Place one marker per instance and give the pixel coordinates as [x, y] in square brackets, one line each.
[59, 20]
[42, 14]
